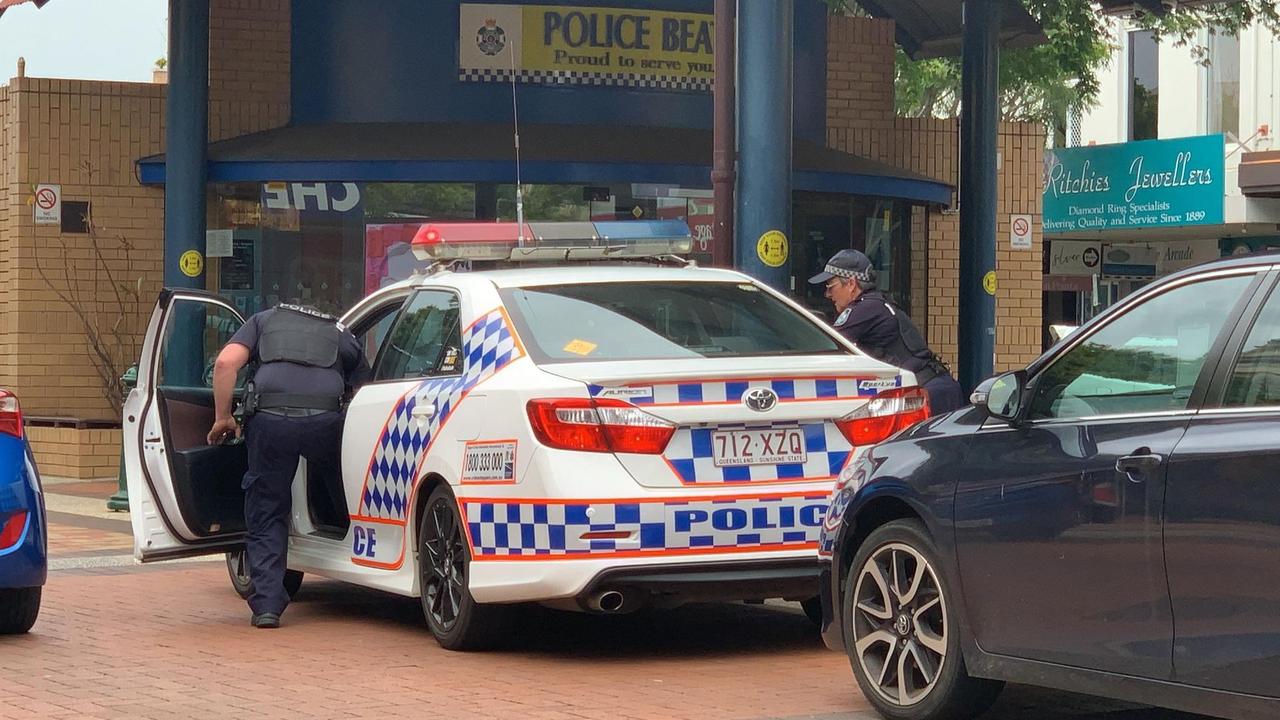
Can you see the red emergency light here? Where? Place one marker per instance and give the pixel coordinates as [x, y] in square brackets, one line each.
[551, 241]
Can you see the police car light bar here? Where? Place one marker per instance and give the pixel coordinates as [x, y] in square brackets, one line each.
[552, 240]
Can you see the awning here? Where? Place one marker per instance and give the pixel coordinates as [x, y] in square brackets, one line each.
[1260, 174]
[552, 154]
[6, 4]
[934, 28]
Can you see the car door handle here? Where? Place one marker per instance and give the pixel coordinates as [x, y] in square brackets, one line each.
[423, 412]
[1135, 466]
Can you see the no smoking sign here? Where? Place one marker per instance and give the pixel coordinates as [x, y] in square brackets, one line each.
[1020, 232]
[48, 205]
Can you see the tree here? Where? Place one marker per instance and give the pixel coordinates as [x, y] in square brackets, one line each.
[1043, 82]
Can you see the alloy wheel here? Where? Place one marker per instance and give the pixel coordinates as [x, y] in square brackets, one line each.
[899, 624]
[445, 569]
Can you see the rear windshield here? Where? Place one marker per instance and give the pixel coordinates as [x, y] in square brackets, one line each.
[649, 320]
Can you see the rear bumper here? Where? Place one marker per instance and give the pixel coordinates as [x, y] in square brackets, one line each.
[24, 564]
[760, 576]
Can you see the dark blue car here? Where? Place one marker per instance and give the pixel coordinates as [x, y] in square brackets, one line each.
[23, 551]
[1106, 521]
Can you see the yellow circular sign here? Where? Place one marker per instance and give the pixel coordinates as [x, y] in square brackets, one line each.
[772, 248]
[191, 263]
[989, 282]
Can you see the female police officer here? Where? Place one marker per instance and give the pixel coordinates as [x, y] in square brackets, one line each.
[869, 320]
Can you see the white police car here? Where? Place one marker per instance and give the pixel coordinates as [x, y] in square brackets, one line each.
[599, 436]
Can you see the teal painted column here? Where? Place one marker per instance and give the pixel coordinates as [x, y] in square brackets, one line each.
[762, 245]
[979, 143]
[186, 137]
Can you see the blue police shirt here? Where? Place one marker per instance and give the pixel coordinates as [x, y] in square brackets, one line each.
[871, 325]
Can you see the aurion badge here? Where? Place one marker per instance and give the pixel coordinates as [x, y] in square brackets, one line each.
[760, 399]
[491, 38]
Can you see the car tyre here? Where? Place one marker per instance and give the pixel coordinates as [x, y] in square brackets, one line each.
[901, 632]
[456, 620]
[19, 608]
[238, 570]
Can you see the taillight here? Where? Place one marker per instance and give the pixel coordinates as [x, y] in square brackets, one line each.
[10, 414]
[11, 530]
[604, 425]
[884, 415]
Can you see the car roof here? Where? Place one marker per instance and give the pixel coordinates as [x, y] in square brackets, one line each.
[590, 273]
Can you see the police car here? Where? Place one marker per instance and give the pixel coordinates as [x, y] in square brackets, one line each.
[593, 435]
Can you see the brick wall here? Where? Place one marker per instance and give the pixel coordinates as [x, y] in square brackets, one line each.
[860, 70]
[86, 136]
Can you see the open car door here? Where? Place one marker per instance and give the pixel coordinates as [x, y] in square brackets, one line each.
[185, 496]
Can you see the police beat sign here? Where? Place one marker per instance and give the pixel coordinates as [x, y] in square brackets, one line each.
[585, 45]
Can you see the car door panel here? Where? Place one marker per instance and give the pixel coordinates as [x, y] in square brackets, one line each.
[1059, 518]
[185, 495]
[1222, 525]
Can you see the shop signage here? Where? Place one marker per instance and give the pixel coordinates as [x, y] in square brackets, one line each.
[1149, 183]
[324, 197]
[1067, 257]
[571, 45]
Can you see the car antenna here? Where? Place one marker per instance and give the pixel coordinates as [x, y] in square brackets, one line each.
[515, 117]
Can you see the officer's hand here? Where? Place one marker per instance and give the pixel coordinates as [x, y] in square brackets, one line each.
[222, 429]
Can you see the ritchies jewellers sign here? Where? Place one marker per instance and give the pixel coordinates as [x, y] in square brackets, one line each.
[1149, 183]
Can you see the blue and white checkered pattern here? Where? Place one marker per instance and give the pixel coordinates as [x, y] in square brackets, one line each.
[728, 391]
[690, 454]
[487, 346]
[661, 527]
[574, 77]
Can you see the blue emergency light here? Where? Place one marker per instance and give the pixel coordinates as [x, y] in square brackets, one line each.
[550, 241]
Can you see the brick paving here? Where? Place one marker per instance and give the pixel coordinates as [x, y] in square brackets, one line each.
[172, 640]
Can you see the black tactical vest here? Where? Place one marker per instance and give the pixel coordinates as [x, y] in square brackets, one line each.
[908, 344]
[300, 335]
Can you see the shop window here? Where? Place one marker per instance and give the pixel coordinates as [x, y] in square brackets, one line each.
[1224, 85]
[1144, 86]
[75, 217]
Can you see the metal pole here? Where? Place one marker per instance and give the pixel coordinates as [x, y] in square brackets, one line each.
[762, 245]
[186, 136]
[979, 144]
[722, 171]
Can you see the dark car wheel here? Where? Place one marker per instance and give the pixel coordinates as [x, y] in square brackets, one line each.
[900, 630]
[19, 608]
[456, 620]
[238, 569]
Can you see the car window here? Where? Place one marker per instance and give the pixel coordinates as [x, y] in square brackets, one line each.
[648, 320]
[1255, 379]
[372, 329]
[425, 340]
[193, 336]
[1146, 360]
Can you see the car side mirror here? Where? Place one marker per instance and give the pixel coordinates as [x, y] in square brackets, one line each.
[1003, 395]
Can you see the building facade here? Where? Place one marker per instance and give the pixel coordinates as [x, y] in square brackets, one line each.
[1172, 168]
[335, 132]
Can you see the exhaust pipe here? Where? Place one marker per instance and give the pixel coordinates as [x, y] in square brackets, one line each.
[609, 601]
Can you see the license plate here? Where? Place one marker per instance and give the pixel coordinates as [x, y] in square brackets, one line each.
[777, 446]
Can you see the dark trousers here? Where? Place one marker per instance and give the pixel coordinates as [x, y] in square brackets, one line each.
[944, 394]
[275, 443]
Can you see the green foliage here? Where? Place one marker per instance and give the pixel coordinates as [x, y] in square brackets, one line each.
[1042, 83]
[434, 200]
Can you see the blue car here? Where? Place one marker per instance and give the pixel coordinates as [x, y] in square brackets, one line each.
[1104, 521]
[23, 533]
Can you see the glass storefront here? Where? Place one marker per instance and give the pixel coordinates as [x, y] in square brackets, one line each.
[328, 244]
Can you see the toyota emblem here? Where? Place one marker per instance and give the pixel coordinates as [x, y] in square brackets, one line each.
[760, 399]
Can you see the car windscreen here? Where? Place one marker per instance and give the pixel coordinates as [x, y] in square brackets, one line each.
[660, 320]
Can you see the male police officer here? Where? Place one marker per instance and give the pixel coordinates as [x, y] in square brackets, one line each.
[306, 361]
[883, 331]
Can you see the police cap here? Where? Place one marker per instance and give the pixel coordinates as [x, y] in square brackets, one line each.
[847, 264]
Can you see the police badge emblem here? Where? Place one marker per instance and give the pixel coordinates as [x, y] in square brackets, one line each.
[491, 38]
[844, 315]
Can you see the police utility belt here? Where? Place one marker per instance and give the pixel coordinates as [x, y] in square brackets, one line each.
[302, 336]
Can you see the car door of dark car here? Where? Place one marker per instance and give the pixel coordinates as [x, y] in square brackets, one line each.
[1058, 520]
[1222, 520]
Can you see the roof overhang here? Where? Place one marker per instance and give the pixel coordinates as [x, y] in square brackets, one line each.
[935, 28]
[1260, 174]
[553, 154]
